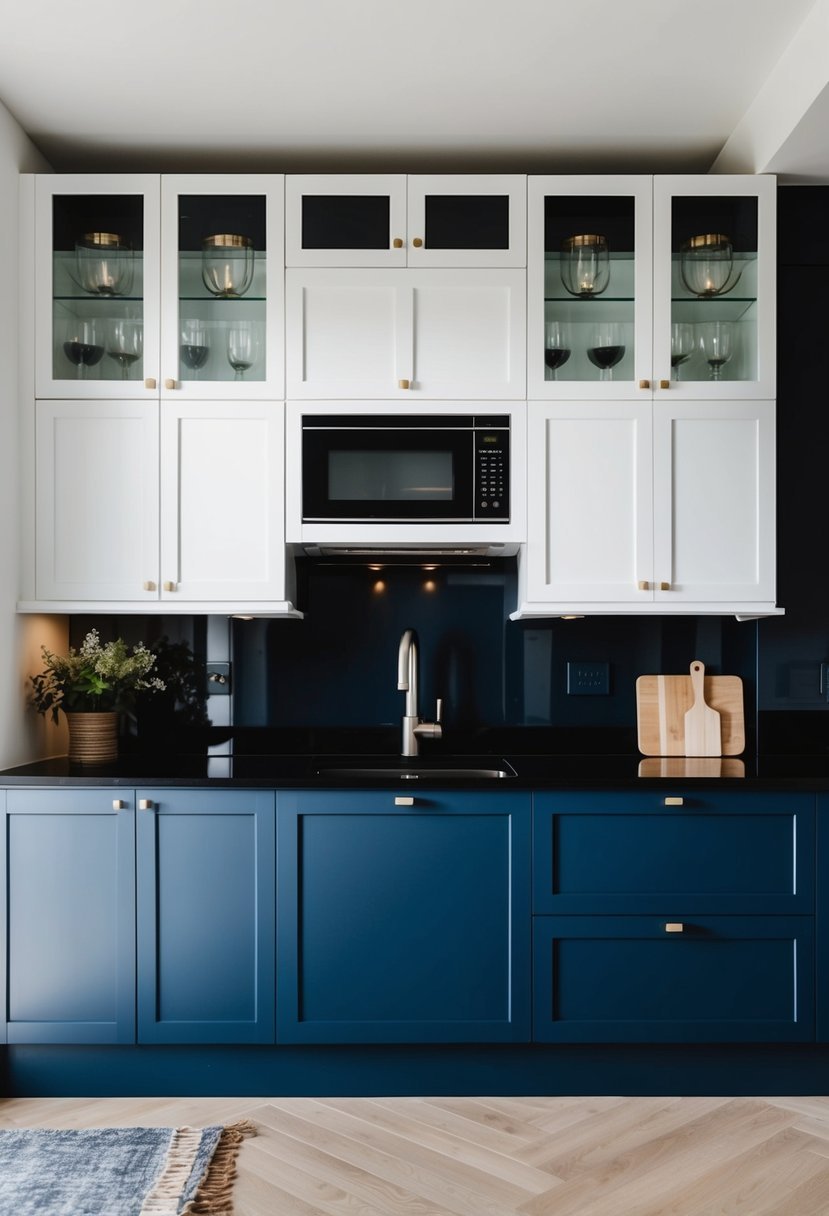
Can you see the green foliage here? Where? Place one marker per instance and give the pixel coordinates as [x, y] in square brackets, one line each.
[95, 678]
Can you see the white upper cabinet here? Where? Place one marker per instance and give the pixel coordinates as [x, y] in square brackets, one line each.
[149, 287]
[410, 334]
[391, 220]
[640, 287]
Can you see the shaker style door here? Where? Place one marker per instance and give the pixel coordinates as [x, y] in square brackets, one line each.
[96, 286]
[341, 219]
[467, 220]
[222, 287]
[715, 286]
[589, 279]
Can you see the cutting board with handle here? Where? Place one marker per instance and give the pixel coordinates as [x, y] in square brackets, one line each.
[663, 701]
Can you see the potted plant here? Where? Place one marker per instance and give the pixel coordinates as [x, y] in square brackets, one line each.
[92, 685]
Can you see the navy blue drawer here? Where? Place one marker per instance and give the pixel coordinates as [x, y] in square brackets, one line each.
[716, 852]
[627, 980]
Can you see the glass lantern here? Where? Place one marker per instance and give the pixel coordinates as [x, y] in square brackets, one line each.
[706, 265]
[227, 264]
[585, 265]
[104, 264]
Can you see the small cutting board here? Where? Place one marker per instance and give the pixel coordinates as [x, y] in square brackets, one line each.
[702, 721]
[663, 701]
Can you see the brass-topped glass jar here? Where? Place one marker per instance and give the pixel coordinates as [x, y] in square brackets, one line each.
[585, 264]
[707, 265]
[227, 264]
[104, 264]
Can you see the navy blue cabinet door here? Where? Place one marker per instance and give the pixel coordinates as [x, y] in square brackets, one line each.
[704, 979]
[403, 924]
[732, 853]
[205, 916]
[822, 920]
[69, 931]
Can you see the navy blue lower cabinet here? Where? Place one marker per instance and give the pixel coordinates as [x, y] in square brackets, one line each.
[822, 920]
[205, 916]
[710, 851]
[694, 979]
[403, 923]
[69, 916]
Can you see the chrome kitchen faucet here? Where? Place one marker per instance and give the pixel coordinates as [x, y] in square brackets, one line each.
[413, 728]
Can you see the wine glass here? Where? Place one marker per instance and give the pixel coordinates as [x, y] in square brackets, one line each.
[82, 344]
[125, 343]
[194, 347]
[683, 343]
[716, 338]
[557, 347]
[242, 347]
[607, 348]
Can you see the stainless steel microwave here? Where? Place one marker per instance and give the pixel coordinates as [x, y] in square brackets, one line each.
[405, 468]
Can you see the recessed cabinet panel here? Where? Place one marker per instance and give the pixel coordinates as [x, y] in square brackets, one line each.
[632, 979]
[467, 220]
[345, 219]
[97, 516]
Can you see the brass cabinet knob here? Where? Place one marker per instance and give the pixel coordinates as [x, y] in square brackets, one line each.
[644, 585]
[644, 383]
[397, 243]
[170, 384]
[664, 384]
[674, 802]
[150, 585]
[404, 384]
[145, 804]
[404, 802]
[664, 586]
[674, 926]
[150, 382]
[169, 586]
[118, 804]
[417, 242]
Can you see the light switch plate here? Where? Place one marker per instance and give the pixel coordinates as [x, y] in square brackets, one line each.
[588, 679]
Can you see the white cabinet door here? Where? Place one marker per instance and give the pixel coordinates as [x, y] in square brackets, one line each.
[410, 334]
[467, 220]
[96, 267]
[222, 508]
[729, 221]
[589, 504]
[97, 500]
[341, 219]
[204, 329]
[714, 502]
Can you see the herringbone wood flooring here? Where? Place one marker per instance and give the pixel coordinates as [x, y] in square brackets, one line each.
[499, 1156]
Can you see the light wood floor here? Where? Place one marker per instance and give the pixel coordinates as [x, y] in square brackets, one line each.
[498, 1156]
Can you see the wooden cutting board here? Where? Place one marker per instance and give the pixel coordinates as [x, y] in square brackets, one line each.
[663, 701]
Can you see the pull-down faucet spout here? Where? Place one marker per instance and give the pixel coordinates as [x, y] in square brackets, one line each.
[407, 673]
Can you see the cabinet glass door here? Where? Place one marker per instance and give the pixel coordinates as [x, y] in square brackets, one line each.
[590, 287]
[345, 220]
[97, 286]
[467, 220]
[222, 287]
[714, 285]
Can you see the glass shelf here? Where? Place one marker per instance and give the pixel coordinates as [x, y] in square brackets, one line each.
[108, 301]
[223, 300]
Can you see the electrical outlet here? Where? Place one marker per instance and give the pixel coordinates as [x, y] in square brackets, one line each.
[588, 679]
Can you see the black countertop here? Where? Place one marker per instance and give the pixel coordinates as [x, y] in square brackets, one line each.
[619, 771]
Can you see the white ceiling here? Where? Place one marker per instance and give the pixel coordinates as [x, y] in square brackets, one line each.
[553, 85]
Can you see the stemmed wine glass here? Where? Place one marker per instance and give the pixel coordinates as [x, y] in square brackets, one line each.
[125, 343]
[607, 348]
[82, 344]
[557, 346]
[716, 338]
[683, 343]
[242, 347]
[194, 347]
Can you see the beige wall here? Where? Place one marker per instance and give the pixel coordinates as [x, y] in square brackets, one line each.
[23, 735]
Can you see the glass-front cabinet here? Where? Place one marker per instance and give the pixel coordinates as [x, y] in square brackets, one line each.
[149, 286]
[640, 286]
[395, 220]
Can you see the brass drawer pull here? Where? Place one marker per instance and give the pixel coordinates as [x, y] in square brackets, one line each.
[404, 801]
[674, 926]
[397, 243]
[644, 383]
[674, 802]
[417, 242]
[118, 804]
[145, 804]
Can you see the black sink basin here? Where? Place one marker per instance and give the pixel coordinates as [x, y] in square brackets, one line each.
[415, 769]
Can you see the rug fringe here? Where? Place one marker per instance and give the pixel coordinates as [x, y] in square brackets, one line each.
[163, 1199]
[214, 1196]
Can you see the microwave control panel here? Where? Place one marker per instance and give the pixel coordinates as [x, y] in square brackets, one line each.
[492, 475]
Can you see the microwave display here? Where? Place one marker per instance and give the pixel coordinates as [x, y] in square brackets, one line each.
[399, 468]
